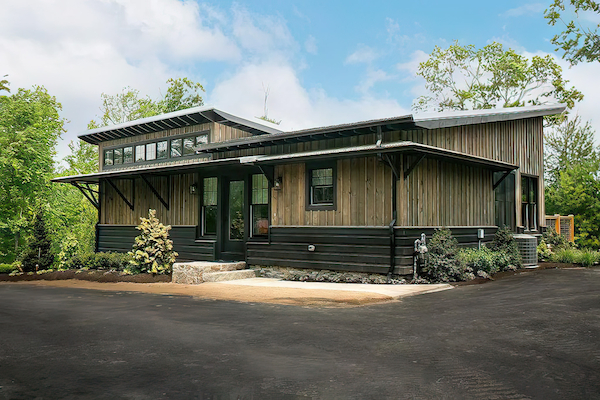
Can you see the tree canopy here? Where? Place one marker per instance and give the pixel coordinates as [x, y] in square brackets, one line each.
[126, 106]
[30, 126]
[579, 41]
[463, 78]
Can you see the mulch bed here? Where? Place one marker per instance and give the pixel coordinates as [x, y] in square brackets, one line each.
[94, 276]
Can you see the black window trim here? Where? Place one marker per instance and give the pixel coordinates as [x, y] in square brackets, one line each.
[529, 179]
[155, 140]
[308, 183]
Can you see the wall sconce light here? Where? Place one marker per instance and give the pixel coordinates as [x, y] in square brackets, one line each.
[193, 188]
[277, 184]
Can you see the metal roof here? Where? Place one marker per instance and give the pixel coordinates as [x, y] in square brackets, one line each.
[176, 119]
[395, 147]
[448, 119]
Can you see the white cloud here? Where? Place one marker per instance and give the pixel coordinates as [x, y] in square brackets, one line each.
[526, 9]
[363, 55]
[296, 106]
[310, 45]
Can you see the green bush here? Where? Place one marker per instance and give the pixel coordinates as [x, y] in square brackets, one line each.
[482, 262]
[38, 255]
[556, 241]
[103, 261]
[68, 249]
[587, 257]
[442, 264]
[543, 251]
[7, 268]
[153, 250]
[505, 243]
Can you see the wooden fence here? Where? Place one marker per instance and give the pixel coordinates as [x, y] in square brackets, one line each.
[563, 224]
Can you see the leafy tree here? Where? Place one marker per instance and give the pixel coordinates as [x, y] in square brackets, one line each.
[126, 106]
[30, 126]
[83, 158]
[579, 42]
[4, 84]
[39, 254]
[577, 191]
[567, 144]
[463, 77]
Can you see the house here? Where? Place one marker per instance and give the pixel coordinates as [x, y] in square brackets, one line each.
[344, 197]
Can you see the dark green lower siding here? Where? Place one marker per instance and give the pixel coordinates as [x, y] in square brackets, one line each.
[120, 238]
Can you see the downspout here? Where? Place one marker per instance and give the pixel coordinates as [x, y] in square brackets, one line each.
[391, 227]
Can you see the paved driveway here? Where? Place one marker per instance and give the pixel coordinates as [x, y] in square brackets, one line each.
[534, 335]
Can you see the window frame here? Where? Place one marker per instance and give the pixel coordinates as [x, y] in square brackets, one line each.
[203, 232]
[192, 135]
[532, 181]
[252, 205]
[310, 167]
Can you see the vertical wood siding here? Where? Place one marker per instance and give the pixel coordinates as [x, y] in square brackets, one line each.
[183, 207]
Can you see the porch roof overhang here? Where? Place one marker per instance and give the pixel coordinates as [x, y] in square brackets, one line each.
[405, 147]
[152, 170]
[176, 119]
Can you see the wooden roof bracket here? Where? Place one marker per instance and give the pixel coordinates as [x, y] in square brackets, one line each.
[413, 166]
[269, 173]
[506, 174]
[111, 183]
[158, 196]
[88, 193]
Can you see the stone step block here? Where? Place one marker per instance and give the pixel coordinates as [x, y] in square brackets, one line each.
[192, 273]
[229, 275]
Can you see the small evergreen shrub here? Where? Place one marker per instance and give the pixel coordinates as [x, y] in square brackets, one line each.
[38, 255]
[543, 251]
[505, 243]
[442, 264]
[99, 261]
[153, 250]
[556, 241]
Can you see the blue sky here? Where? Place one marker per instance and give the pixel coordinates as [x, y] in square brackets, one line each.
[323, 62]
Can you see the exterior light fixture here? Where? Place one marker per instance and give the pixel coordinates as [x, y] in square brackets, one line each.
[193, 188]
[278, 183]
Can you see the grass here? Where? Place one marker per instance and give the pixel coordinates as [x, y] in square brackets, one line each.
[585, 257]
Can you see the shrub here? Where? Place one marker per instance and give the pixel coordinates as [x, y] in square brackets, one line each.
[482, 262]
[104, 261]
[586, 257]
[68, 248]
[38, 255]
[442, 265]
[505, 243]
[556, 241]
[7, 268]
[152, 250]
[544, 253]
[566, 256]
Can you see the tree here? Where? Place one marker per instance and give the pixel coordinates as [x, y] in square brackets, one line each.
[39, 254]
[30, 126]
[126, 106]
[577, 191]
[567, 144]
[4, 84]
[577, 41]
[463, 78]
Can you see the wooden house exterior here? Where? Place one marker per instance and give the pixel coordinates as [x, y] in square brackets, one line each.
[346, 197]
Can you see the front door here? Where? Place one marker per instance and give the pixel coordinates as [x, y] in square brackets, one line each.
[233, 221]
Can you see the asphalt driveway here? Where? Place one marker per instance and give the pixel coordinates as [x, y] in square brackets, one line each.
[533, 335]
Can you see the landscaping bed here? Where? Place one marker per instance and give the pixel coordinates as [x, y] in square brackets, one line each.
[93, 276]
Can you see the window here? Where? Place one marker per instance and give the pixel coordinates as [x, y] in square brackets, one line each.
[159, 150]
[118, 156]
[151, 151]
[529, 194]
[127, 155]
[176, 148]
[504, 200]
[209, 206]
[108, 157]
[140, 153]
[162, 150]
[259, 206]
[321, 188]
[188, 146]
[201, 139]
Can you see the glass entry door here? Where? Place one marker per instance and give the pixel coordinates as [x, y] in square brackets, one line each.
[234, 230]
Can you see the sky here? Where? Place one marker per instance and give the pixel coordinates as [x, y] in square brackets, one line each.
[322, 62]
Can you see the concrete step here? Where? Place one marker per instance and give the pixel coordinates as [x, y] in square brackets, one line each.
[193, 272]
[229, 275]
